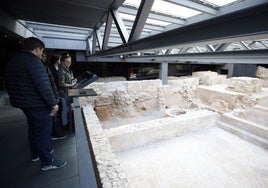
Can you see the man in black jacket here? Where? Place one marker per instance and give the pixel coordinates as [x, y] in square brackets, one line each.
[29, 89]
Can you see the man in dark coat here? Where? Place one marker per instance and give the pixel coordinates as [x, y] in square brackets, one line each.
[29, 89]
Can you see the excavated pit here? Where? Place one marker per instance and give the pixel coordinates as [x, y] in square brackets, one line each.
[144, 134]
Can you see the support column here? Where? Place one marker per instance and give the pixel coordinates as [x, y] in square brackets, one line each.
[163, 73]
[230, 68]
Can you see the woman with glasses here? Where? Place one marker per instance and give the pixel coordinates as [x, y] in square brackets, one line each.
[65, 75]
[65, 81]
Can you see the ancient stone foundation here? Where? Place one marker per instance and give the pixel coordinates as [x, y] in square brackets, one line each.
[131, 114]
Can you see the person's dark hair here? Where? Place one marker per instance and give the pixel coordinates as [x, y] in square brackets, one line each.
[65, 56]
[32, 43]
[54, 58]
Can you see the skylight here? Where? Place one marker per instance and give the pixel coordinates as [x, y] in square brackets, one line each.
[177, 10]
[220, 2]
[166, 7]
[148, 21]
[173, 9]
[127, 16]
[135, 3]
[157, 22]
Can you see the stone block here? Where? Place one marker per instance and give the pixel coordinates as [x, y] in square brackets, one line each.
[209, 77]
[139, 134]
[262, 72]
[245, 85]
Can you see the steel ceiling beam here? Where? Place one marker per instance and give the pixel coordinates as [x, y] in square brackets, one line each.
[14, 26]
[146, 26]
[53, 34]
[140, 20]
[222, 47]
[120, 25]
[245, 45]
[246, 24]
[246, 57]
[99, 38]
[114, 32]
[107, 31]
[59, 28]
[117, 4]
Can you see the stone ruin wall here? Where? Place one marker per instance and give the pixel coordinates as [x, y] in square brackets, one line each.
[245, 85]
[223, 95]
[180, 93]
[262, 74]
[125, 98]
[110, 172]
[203, 90]
[128, 98]
[209, 77]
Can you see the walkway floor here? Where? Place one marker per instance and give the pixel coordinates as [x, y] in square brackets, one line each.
[17, 169]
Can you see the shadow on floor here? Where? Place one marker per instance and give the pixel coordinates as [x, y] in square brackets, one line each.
[17, 169]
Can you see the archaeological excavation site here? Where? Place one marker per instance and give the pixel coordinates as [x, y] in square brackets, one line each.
[134, 94]
[203, 130]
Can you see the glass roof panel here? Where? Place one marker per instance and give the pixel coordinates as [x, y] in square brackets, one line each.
[157, 22]
[177, 10]
[165, 7]
[220, 2]
[127, 16]
[135, 3]
[149, 21]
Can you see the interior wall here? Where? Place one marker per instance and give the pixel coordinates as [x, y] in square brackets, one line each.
[244, 70]
[9, 46]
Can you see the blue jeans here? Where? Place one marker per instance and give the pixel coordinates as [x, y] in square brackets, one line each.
[64, 112]
[39, 133]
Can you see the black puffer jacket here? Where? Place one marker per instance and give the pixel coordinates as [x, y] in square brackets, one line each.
[27, 82]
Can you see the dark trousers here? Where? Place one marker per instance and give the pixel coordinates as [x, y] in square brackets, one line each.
[57, 129]
[39, 133]
[64, 107]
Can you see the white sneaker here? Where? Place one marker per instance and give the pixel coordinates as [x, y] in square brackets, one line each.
[55, 164]
[58, 137]
[35, 159]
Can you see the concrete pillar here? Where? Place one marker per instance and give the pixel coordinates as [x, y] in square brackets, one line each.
[230, 70]
[229, 67]
[163, 73]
